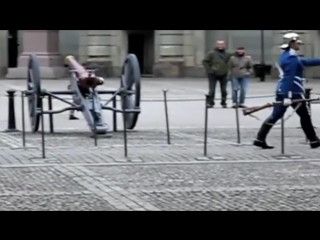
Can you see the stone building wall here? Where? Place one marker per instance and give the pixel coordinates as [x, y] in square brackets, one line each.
[171, 53]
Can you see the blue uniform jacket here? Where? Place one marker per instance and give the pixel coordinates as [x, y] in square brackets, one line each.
[292, 65]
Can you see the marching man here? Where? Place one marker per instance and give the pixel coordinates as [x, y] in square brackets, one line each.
[290, 87]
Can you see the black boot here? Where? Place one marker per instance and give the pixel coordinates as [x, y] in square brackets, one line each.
[315, 144]
[210, 103]
[307, 127]
[262, 135]
[73, 117]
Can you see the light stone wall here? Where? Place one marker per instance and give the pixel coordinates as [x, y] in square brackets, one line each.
[176, 53]
[3, 53]
[107, 49]
[69, 42]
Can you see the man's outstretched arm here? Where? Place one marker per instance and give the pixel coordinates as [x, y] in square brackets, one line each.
[310, 62]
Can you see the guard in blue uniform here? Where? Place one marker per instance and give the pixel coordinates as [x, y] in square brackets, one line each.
[290, 87]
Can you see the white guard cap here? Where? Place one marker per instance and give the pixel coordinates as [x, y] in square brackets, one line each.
[288, 38]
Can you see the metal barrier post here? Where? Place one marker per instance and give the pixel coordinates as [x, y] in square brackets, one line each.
[50, 115]
[42, 128]
[308, 96]
[94, 120]
[11, 112]
[206, 127]
[282, 137]
[237, 116]
[23, 135]
[167, 115]
[124, 115]
[114, 105]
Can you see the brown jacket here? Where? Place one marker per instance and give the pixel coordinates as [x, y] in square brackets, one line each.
[240, 66]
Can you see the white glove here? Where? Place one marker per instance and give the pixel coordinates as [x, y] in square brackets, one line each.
[287, 102]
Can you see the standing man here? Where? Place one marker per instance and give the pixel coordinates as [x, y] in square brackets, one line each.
[240, 68]
[216, 66]
[290, 87]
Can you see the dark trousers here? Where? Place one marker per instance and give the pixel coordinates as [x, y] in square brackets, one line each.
[213, 79]
[279, 111]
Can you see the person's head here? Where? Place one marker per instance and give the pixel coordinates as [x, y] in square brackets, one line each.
[291, 40]
[220, 45]
[240, 51]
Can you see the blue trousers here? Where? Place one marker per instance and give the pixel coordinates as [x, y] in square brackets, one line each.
[278, 112]
[242, 85]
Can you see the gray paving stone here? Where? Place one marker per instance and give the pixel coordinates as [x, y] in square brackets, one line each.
[265, 200]
[66, 202]
[36, 180]
[157, 176]
[211, 175]
[145, 146]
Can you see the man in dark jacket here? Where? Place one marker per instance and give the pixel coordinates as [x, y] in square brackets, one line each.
[216, 66]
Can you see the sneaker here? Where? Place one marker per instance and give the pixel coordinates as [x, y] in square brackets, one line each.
[242, 106]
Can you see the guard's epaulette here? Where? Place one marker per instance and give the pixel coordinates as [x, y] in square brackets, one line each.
[292, 52]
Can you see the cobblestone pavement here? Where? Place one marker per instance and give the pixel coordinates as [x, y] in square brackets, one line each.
[193, 187]
[76, 175]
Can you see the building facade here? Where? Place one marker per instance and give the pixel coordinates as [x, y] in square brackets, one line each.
[161, 53]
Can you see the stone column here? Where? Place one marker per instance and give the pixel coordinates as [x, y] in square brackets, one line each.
[170, 56]
[3, 53]
[198, 47]
[45, 44]
[97, 49]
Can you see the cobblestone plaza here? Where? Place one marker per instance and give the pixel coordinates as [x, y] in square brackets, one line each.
[156, 176]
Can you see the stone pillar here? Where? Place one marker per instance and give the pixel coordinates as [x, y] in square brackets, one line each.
[45, 44]
[97, 47]
[3, 53]
[195, 51]
[315, 35]
[83, 50]
[169, 60]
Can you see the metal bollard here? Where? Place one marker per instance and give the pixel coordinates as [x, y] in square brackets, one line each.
[94, 121]
[237, 117]
[308, 96]
[23, 135]
[114, 105]
[167, 115]
[11, 112]
[282, 137]
[206, 127]
[50, 115]
[124, 117]
[43, 146]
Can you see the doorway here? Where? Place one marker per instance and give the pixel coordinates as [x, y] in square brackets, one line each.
[141, 43]
[13, 48]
